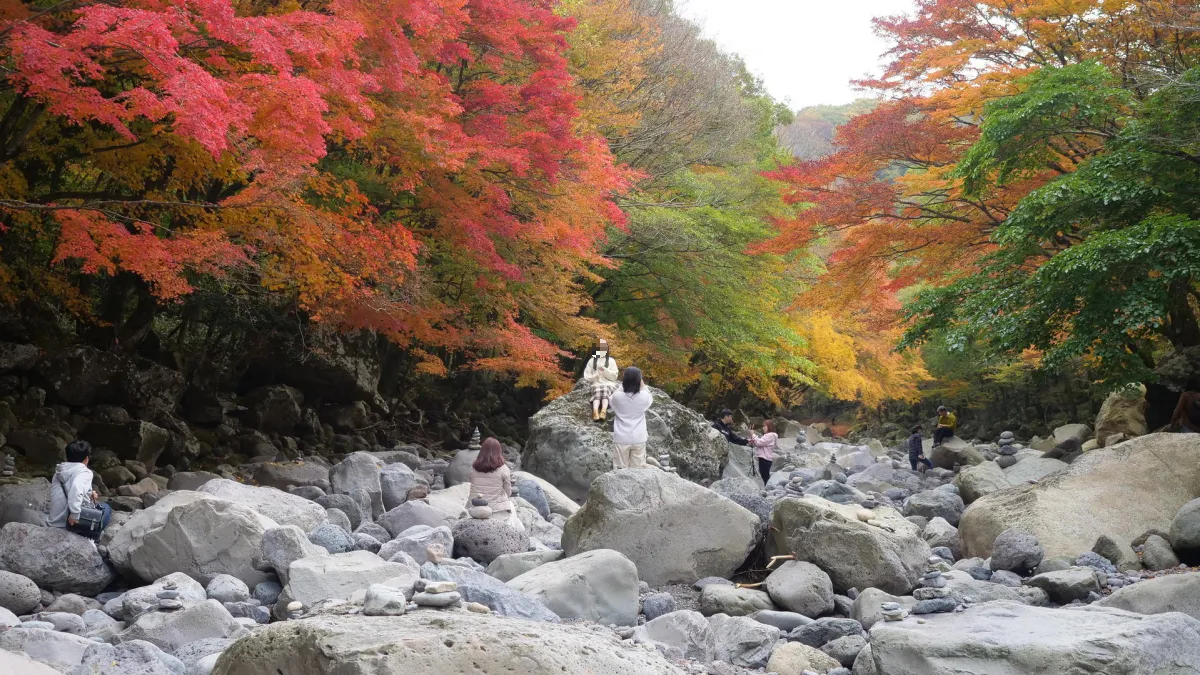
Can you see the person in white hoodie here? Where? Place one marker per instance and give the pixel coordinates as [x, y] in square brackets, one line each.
[629, 405]
[71, 488]
[601, 374]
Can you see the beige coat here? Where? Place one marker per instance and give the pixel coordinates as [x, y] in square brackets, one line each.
[495, 487]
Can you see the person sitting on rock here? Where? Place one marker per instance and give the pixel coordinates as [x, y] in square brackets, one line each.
[601, 374]
[916, 450]
[724, 424]
[629, 405]
[491, 479]
[947, 422]
[764, 449]
[71, 491]
[1187, 411]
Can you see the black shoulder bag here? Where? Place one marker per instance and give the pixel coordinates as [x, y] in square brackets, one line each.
[91, 519]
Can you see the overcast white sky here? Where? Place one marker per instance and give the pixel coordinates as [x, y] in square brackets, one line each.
[806, 51]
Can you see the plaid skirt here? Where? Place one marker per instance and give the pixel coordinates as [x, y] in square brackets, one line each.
[602, 389]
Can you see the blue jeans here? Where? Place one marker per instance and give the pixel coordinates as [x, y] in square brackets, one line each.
[105, 518]
[914, 460]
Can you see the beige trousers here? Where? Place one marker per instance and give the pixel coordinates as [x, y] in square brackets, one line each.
[629, 456]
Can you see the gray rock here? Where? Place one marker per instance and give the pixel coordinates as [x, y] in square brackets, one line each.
[1170, 593]
[347, 505]
[408, 514]
[281, 546]
[674, 531]
[940, 533]
[1016, 551]
[203, 539]
[267, 592]
[801, 587]
[332, 538]
[938, 503]
[886, 553]
[1055, 564]
[1156, 554]
[476, 586]
[436, 642]
[192, 652]
[248, 610]
[934, 606]
[416, 540]
[395, 482]
[742, 641]
[61, 651]
[720, 599]
[784, 621]
[100, 626]
[967, 590]
[328, 577]
[72, 603]
[687, 631]
[1185, 532]
[225, 588]
[845, 649]
[359, 471]
[511, 566]
[485, 540]
[533, 493]
[365, 542]
[171, 630]
[1005, 637]
[340, 519]
[54, 559]
[131, 658]
[286, 475]
[600, 586]
[62, 622]
[18, 594]
[825, 630]
[793, 658]
[1096, 562]
[190, 480]
[384, 601]
[1006, 578]
[699, 584]
[657, 604]
[1068, 585]
[980, 480]
[1121, 556]
[8, 619]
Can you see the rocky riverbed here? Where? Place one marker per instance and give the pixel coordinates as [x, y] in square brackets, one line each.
[305, 555]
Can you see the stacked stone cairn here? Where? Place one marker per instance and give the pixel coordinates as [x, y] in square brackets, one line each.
[892, 611]
[9, 467]
[933, 595]
[295, 610]
[436, 594]
[1008, 444]
[168, 598]
[479, 510]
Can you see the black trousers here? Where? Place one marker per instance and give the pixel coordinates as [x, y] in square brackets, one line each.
[764, 468]
[941, 434]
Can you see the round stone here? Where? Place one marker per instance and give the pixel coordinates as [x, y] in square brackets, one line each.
[480, 512]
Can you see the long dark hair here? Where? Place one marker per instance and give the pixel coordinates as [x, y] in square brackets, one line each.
[601, 344]
[491, 456]
[631, 381]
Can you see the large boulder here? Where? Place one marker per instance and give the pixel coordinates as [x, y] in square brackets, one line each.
[600, 586]
[674, 530]
[54, 559]
[435, 642]
[1123, 412]
[567, 449]
[274, 408]
[284, 475]
[396, 481]
[1004, 637]
[136, 440]
[18, 594]
[61, 651]
[954, 451]
[359, 471]
[743, 641]
[942, 502]
[980, 480]
[120, 539]
[459, 470]
[687, 631]
[885, 552]
[327, 577]
[1171, 593]
[279, 506]
[513, 565]
[203, 539]
[733, 600]
[413, 513]
[1121, 492]
[284, 545]
[11, 662]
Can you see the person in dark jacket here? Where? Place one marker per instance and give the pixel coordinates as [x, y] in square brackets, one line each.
[916, 450]
[724, 425]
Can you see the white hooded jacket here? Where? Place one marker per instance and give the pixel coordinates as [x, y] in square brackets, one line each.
[78, 480]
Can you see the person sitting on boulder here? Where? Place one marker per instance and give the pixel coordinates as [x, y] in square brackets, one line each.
[724, 424]
[947, 422]
[71, 492]
[1187, 411]
[916, 450]
[491, 479]
[601, 374]
[764, 449]
[629, 426]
